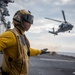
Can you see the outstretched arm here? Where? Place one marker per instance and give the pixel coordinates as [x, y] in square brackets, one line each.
[34, 52]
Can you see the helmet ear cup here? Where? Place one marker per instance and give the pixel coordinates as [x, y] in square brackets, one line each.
[17, 20]
[17, 17]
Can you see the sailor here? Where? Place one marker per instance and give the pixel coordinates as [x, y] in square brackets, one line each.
[16, 47]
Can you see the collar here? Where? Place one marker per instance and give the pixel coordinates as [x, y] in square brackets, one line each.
[19, 30]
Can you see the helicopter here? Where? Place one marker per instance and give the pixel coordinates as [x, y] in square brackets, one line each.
[64, 26]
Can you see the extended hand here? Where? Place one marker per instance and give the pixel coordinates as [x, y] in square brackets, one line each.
[44, 51]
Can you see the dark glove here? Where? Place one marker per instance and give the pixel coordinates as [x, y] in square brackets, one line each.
[44, 51]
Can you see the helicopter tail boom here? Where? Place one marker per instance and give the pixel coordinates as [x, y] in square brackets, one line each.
[53, 33]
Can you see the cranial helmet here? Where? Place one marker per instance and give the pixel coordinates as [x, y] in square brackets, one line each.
[21, 16]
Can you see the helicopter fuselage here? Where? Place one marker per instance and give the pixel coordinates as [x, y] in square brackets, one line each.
[62, 28]
[65, 27]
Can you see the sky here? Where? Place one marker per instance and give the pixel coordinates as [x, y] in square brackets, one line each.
[38, 34]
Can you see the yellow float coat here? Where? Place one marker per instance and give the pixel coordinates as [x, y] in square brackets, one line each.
[8, 42]
[12, 47]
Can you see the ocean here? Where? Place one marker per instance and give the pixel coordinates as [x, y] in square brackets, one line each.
[67, 53]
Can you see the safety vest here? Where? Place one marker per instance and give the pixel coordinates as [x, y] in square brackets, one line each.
[19, 66]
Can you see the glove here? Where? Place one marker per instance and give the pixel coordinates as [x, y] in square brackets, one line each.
[44, 51]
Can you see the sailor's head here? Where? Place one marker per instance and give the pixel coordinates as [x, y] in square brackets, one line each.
[23, 19]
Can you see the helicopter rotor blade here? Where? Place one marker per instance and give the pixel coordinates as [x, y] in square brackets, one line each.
[64, 15]
[53, 19]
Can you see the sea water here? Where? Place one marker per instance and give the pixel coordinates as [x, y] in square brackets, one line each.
[67, 53]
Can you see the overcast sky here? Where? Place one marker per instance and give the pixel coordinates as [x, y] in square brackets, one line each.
[38, 34]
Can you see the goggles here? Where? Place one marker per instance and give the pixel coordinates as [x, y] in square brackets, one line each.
[27, 17]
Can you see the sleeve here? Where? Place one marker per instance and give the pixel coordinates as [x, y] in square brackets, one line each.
[7, 39]
[34, 52]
